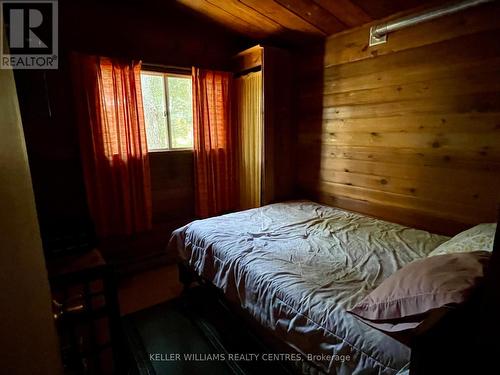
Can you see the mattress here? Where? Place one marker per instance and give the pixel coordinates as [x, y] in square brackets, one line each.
[297, 266]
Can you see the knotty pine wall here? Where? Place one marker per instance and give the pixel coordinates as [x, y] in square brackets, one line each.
[408, 131]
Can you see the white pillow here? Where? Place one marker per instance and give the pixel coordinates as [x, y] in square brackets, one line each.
[476, 238]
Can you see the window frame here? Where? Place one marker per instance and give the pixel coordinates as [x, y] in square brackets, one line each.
[165, 73]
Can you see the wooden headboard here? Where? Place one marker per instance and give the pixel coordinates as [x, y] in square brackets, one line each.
[408, 131]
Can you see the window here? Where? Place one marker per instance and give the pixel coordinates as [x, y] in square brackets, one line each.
[168, 110]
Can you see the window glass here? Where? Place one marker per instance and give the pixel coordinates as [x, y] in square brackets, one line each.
[153, 97]
[181, 111]
[172, 128]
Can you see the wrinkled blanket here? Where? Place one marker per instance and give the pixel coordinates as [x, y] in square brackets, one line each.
[297, 266]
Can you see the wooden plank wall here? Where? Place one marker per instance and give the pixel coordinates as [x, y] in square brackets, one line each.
[172, 185]
[409, 130]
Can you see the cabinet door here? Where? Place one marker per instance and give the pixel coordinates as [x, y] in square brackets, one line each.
[277, 181]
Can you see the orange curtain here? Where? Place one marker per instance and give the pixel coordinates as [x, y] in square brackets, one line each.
[214, 143]
[113, 143]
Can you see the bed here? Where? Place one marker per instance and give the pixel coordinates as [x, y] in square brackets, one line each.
[296, 267]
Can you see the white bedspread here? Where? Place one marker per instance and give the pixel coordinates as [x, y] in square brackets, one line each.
[297, 266]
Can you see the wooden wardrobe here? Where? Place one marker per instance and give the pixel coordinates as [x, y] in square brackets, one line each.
[277, 129]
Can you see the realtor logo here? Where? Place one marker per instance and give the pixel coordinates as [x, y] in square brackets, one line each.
[31, 35]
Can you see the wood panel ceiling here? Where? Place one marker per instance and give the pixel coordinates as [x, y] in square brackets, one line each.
[297, 19]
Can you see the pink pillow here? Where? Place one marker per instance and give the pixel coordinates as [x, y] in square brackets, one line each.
[403, 299]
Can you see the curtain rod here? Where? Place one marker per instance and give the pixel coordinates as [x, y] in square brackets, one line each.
[378, 33]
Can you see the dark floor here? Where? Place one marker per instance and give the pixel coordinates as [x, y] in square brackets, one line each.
[195, 334]
[148, 288]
